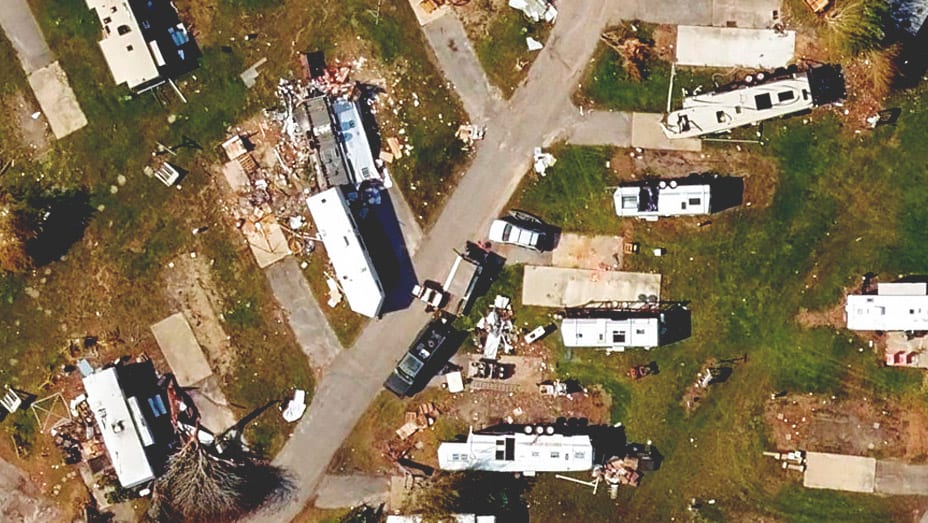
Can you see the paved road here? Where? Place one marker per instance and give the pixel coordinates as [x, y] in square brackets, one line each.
[534, 116]
[24, 33]
[345, 491]
[459, 62]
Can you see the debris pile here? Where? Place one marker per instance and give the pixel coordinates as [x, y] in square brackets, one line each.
[619, 471]
[792, 460]
[469, 133]
[422, 418]
[542, 160]
[536, 10]
[495, 330]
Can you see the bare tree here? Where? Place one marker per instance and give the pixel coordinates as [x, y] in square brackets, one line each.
[199, 486]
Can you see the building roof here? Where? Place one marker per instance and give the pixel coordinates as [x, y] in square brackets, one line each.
[354, 138]
[518, 452]
[895, 307]
[122, 431]
[655, 198]
[144, 41]
[354, 270]
[614, 333]
[566, 287]
[123, 45]
[722, 110]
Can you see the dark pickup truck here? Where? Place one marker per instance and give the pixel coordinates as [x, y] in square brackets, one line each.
[420, 363]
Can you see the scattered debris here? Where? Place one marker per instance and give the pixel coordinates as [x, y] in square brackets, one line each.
[792, 460]
[295, 407]
[495, 329]
[542, 160]
[533, 45]
[469, 133]
[535, 10]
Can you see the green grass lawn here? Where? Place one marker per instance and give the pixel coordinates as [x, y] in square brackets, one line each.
[503, 48]
[608, 85]
[845, 205]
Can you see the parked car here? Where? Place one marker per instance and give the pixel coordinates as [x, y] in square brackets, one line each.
[520, 229]
[412, 368]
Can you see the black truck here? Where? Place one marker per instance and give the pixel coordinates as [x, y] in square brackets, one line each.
[429, 352]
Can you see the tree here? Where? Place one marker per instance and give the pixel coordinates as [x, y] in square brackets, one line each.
[16, 231]
[199, 486]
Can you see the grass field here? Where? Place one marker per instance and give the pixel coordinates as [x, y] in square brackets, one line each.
[502, 50]
[845, 205]
[607, 84]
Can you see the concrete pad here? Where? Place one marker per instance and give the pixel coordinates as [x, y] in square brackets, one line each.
[181, 350]
[743, 13]
[215, 413]
[734, 47]
[839, 472]
[588, 252]
[21, 28]
[266, 240]
[601, 128]
[352, 490]
[419, 7]
[901, 479]
[57, 100]
[235, 176]
[647, 134]
[561, 287]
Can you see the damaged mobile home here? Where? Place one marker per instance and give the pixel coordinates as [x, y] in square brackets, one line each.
[144, 42]
[762, 97]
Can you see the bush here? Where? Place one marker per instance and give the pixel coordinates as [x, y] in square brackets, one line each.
[856, 26]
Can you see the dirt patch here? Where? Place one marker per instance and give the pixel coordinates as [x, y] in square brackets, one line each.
[833, 317]
[665, 40]
[476, 16]
[189, 287]
[758, 171]
[33, 133]
[859, 427]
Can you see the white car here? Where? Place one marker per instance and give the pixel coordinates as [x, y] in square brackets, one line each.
[509, 230]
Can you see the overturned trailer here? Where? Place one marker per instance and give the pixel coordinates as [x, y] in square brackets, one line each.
[767, 95]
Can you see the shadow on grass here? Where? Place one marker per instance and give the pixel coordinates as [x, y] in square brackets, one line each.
[62, 219]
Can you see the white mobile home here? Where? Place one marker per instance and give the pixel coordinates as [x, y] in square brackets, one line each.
[534, 451]
[780, 95]
[895, 307]
[125, 432]
[354, 270]
[652, 199]
[616, 333]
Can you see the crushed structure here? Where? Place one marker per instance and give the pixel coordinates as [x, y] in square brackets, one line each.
[354, 270]
[495, 330]
[761, 97]
[144, 42]
[894, 307]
